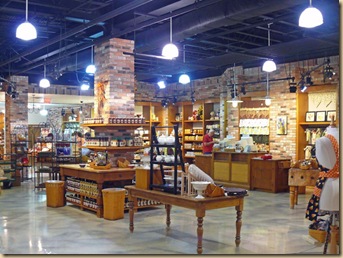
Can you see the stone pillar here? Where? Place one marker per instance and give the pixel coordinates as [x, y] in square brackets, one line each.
[16, 111]
[114, 84]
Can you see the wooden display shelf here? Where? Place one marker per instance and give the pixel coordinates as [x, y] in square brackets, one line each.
[315, 123]
[212, 120]
[114, 148]
[81, 194]
[192, 121]
[82, 206]
[113, 125]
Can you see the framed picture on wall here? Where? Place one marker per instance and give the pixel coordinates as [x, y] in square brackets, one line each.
[329, 114]
[320, 116]
[281, 125]
[310, 116]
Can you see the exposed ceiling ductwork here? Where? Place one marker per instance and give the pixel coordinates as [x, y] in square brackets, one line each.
[213, 34]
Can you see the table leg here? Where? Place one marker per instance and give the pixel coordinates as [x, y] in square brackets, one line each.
[168, 208]
[291, 196]
[131, 212]
[200, 231]
[239, 209]
[200, 214]
[296, 193]
[99, 201]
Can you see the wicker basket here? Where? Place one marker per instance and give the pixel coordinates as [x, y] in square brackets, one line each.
[320, 235]
[304, 167]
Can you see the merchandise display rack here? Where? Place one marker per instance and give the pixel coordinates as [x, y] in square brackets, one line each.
[178, 161]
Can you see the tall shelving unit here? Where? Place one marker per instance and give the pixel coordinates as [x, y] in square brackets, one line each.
[302, 108]
[178, 160]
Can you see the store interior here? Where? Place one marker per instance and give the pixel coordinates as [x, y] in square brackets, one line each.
[139, 120]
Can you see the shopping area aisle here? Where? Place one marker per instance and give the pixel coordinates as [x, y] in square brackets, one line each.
[28, 226]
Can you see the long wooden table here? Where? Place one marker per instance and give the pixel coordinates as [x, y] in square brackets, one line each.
[190, 202]
[99, 176]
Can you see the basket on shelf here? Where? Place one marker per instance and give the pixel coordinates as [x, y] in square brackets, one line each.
[320, 235]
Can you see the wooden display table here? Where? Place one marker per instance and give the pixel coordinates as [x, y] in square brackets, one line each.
[300, 177]
[269, 175]
[100, 177]
[190, 202]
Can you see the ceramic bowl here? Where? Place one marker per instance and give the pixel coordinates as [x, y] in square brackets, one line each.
[82, 165]
[200, 186]
[159, 158]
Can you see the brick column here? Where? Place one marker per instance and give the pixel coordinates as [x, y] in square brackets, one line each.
[16, 109]
[114, 85]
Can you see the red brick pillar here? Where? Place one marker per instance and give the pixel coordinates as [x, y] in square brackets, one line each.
[114, 79]
[16, 109]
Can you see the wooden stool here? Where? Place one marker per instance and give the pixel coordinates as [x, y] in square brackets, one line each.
[300, 177]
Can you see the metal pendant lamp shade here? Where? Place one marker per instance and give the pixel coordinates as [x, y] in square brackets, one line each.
[170, 51]
[26, 31]
[311, 17]
[269, 65]
[184, 79]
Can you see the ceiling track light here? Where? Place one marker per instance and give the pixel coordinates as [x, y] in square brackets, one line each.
[26, 31]
[311, 17]
[164, 103]
[293, 86]
[269, 65]
[170, 51]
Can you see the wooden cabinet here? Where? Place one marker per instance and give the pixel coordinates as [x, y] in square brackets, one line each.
[233, 168]
[270, 175]
[204, 162]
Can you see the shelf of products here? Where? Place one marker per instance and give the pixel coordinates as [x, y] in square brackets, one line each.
[168, 162]
[321, 98]
[21, 156]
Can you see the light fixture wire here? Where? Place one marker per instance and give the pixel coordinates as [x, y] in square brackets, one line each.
[27, 10]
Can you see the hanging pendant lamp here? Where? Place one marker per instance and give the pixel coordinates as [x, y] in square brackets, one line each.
[44, 83]
[184, 78]
[26, 31]
[235, 99]
[170, 51]
[91, 69]
[311, 17]
[269, 65]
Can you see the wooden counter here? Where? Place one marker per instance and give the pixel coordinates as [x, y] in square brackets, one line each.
[99, 177]
[233, 168]
[269, 175]
[204, 162]
[190, 202]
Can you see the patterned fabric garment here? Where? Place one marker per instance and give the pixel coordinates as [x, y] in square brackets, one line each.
[313, 204]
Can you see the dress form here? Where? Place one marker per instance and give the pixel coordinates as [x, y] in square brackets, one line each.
[325, 154]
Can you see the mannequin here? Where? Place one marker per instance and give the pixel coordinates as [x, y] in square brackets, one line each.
[326, 193]
[329, 198]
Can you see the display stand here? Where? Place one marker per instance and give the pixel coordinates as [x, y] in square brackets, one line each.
[178, 161]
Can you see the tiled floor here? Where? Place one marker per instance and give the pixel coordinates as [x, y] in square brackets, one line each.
[28, 226]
